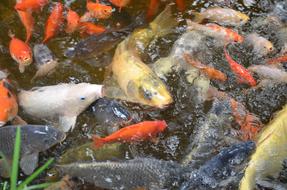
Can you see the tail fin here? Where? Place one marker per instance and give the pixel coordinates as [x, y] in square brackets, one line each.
[163, 23]
[98, 141]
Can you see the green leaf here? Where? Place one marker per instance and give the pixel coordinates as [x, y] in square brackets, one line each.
[39, 186]
[35, 174]
[15, 163]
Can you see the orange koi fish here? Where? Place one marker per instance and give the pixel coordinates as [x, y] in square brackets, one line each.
[91, 29]
[137, 132]
[28, 22]
[73, 20]
[241, 72]
[98, 10]
[31, 5]
[8, 102]
[250, 125]
[152, 9]
[120, 3]
[209, 71]
[54, 22]
[20, 52]
[278, 59]
[180, 5]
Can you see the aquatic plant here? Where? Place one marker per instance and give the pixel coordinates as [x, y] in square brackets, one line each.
[15, 170]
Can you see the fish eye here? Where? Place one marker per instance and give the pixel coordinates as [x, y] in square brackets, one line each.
[82, 98]
[146, 94]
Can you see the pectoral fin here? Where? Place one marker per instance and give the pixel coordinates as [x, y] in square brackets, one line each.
[67, 122]
[5, 168]
[28, 163]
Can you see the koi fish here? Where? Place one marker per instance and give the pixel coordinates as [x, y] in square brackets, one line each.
[8, 102]
[91, 29]
[137, 132]
[280, 59]
[241, 72]
[261, 45]
[34, 5]
[225, 16]
[73, 20]
[28, 22]
[209, 71]
[20, 52]
[180, 5]
[54, 22]
[226, 34]
[152, 9]
[98, 10]
[120, 3]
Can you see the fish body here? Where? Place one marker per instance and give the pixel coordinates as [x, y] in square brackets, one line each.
[91, 28]
[34, 139]
[98, 10]
[225, 16]
[73, 20]
[241, 72]
[120, 3]
[109, 112]
[219, 168]
[8, 102]
[137, 132]
[144, 173]
[225, 34]
[71, 100]
[28, 22]
[45, 61]
[269, 72]
[280, 59]
[54, 22]
[209, 71]
[271, 150]
[261, 46]
[28, 5]
[20, 52]
[180, 5]
[152, 9]
[137, 80]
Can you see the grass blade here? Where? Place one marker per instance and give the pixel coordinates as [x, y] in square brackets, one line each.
[5, 185]
[35, 174]
[39, 186]
[15, 163]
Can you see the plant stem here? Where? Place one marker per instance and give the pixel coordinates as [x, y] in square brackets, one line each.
[35, 174]
[15, 163]
[40, 186]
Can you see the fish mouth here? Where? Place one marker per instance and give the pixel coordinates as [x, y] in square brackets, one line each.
[2, 123]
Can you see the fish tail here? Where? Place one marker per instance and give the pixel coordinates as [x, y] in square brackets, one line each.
[163, 23]
[98, 141]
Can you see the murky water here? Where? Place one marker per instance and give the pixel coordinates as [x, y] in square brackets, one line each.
[181, 116]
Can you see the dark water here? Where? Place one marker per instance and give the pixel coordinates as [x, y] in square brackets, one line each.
[180, 116]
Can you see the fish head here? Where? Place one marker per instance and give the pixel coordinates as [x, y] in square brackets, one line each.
[162, 125]
[106, 11]
[243, 18]
[82, 95]
[149, 90]
[44, 137]
[25, 58]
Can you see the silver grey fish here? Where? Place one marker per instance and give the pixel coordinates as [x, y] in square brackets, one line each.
[269, 72]
[220, 168]
[34, 139]
[45, 60]
[61, 103]
[137, 173]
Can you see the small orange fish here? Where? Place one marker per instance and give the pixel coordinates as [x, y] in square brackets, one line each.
[152, 9]
[73, 20]
[98, 10]
[137, 132]
[180, 5]
[241, 72]
[8, 102]
[91, 29]
[280, 59]
[230, 34]
[250, 125]
[31, 5]
[209, 71]
[28, 22]
[54, 22]
[20, 52]
[120, 3]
